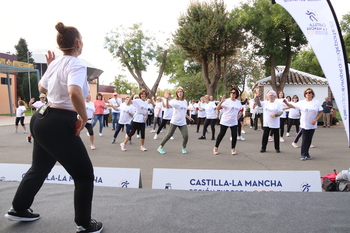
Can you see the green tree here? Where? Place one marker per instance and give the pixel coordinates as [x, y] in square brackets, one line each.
[135, 50]
[208, 35]
[274, 34]
[345, 27]
[24, 55]
[121, 84]
[306, 61]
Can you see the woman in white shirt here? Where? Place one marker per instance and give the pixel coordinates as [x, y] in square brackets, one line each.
[271, 122]
[178, 120]
[127, 111]
[229, 119]
[210, 118]
[293, 116]
[56, 130]
[90, 109]
[139, 119]
[311, 110]
[201, 113]
[20, 115]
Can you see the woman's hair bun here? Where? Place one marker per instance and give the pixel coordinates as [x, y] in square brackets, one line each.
[61, 28]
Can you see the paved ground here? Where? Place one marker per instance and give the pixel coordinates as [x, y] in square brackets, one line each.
[331, 151]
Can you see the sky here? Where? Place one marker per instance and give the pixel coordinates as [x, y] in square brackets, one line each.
[35, 21]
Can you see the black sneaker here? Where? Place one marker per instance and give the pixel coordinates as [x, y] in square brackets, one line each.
[113, 141]
[201, 137]
[24, 216]
[94, 227]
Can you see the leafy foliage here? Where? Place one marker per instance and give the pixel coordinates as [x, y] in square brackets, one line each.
[121, 84]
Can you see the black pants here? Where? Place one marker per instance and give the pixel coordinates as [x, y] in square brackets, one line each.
[265, 137]
[55, 140]
[212, 123]
[222, 133]
[200, 120]
[291, 122]
[162, 125]
[306, 141]
[105, 120]
[139, 127]
[282, 123]
[258, 116]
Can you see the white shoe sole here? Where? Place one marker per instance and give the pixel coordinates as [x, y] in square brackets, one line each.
[20, 219]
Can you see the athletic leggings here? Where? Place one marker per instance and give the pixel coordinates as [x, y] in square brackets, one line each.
[162, 125]
[223, 129]
[137, 126]
[184, 133]
[88, 126]
[291, 122]
[306, 141]
[200, 120]
[19, 119]
[276, 140]
[212, 123]
[55, 141]
[119, 127]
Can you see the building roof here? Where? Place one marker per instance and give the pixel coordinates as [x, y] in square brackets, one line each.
[295, 77]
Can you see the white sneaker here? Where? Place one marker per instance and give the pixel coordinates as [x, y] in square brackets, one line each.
[270, 139]
[230, 138]
[155, 137]
[242, 138]
[87, 133]
[143, 148]
[251, 127]
[25, 131]
[16, 131]
[172, 138]
[152, 131]
[122, 146]
[238, 138]
[295, 145]
[287, 134]
[243, 131]
[138, 136]
[281, 140]
[100, 134]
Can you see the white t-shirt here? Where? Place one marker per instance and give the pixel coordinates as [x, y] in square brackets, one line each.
[126, 114]
[179, 112]
[210, 110]
[193, 108]
[38, 104]
[90, 109]
[271, 108]
[230, 110]
[150, 108]
[293, 112]
[284, 115]
[168, 113]
[19, 111]
[158, 109]
[309, 111]
[201, 114]
[114, 102]
[141, 110]
[60, 74]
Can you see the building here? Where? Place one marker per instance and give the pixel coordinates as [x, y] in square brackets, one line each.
[297, 82]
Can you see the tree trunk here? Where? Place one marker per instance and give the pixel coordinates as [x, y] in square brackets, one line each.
[160, 74]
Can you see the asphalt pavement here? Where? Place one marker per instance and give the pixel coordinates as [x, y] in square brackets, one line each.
[331, 151]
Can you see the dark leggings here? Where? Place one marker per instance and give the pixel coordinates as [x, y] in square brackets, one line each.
[212, 123]
[223, 129]
[200, 121]
[55, 141]
[266, 136]
[88, 126]
[306, 141]
[162, 125]
[19, 119]
[291, 122]
[139, 127]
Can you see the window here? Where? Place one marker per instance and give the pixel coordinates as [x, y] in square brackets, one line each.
[4, 81]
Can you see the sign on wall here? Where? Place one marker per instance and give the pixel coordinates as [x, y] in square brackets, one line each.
[241, 181]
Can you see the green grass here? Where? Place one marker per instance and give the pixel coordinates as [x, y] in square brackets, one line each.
[28, 113]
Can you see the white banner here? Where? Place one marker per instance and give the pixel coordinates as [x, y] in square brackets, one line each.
[320, 26]
[240, 181]
[111, 177]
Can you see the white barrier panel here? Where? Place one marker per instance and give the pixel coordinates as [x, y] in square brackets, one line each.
[111, 177]
[225, 180]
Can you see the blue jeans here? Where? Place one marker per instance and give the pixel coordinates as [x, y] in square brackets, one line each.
[98, 117]
[115, 119]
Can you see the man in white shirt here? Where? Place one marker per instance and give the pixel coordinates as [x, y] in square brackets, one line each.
[115, 103]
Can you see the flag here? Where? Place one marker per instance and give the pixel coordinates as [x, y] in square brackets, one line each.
[317, 20]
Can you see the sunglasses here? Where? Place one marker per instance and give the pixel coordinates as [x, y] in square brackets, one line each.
[308, 92]
[233, 92]
[42, 97]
